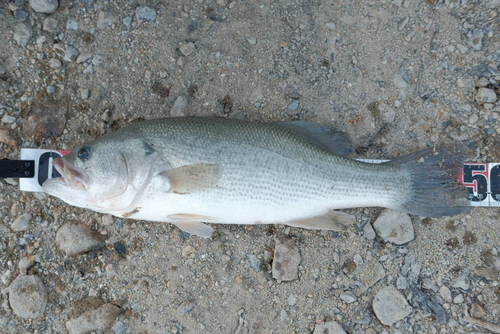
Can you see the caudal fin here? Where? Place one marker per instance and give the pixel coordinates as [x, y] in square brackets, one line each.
[434, 189]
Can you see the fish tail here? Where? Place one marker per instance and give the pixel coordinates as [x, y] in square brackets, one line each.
[433, 188]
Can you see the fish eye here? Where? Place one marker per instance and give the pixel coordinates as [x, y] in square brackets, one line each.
[84, 153]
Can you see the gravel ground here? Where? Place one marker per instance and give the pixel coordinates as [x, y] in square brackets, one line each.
[396, 75]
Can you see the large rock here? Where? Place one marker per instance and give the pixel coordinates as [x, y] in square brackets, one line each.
[27, 296]
[394, 226]
[75, 238]
[22, 223]
[286, 260]
[100, 319]
[44, 6]
[485, 95]
[390, 306]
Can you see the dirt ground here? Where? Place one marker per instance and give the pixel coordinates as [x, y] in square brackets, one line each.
[395, 75]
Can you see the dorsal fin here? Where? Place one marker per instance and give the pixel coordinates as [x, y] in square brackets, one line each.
[320, 135]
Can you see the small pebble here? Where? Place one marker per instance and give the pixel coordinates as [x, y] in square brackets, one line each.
[119, 327]
[394, 226]
[50, 24]
[293, 105]
[44, 6]
[180, 107]
[145, 13]
[286, 260]
[22, 34]
[72, 24]
[22, 223]
[252, 40]
[476, 311]
[55, 63]
[390, 306]
[85, 93]
[76, 238]
[187, 48]
[106, 19]
[51, 89]
[255, 263]
[348, 297]
[461, 283]
[83, 57]
[485, 95]
[187, 306]
[71, 54]
[28, 296]
[329, 327]
[401, 283]
[120, 248]
[445, 293]
[8, 119]
[292, 300]
[100, 319]
[127, 21]
[458, 299]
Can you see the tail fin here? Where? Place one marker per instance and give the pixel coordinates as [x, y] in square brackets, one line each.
[434, 189]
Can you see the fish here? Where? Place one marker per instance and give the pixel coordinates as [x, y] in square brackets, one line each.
[190, 171]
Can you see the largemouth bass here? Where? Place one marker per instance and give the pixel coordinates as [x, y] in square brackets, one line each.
[192, 170]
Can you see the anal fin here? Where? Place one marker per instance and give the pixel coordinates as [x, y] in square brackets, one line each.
[332, 220]
[192, 224]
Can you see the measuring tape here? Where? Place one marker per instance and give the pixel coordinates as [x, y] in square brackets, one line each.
[481, 179]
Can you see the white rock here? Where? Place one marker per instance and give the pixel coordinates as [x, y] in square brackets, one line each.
[145, 13]
[44, 6]
[445, 293]
[22, 223]
[330, 327]
[390, 306]
[394, 226]
[28, 296]
[461, 283]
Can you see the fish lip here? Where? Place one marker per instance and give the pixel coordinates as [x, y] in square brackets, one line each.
[73, 177]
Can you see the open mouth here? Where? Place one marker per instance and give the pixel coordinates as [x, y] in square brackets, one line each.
[71, 176]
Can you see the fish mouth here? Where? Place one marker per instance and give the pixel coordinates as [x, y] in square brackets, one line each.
[72, 177]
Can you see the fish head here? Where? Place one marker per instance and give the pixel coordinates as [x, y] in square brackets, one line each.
[106, 175]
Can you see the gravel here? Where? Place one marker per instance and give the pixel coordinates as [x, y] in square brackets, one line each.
[390, 306]
[28, 296]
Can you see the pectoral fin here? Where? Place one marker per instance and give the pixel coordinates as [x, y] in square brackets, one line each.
[192, 178]
[332, 220]
[191, 224]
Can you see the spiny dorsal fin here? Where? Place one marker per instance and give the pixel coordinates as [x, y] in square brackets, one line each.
[322, 136]
[192, 178]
